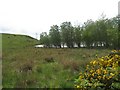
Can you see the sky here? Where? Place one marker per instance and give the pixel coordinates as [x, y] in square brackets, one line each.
[31, 17]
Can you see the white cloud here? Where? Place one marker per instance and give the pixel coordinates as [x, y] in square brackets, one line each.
[36, 16]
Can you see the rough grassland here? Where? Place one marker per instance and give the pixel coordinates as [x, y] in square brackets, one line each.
[25, 66]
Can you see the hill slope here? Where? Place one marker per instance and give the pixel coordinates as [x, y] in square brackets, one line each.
[17, 41]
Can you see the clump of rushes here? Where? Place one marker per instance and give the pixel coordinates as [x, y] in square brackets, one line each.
[101, 73]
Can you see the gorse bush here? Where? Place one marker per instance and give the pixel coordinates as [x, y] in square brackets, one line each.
[101, 73]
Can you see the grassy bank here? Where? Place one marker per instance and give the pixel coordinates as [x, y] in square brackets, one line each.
[14, 41]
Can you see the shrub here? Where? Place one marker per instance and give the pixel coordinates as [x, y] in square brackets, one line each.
[28, 66]
[101, 73]
[49, 59]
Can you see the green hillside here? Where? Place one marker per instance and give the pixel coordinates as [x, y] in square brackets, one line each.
[17, 41]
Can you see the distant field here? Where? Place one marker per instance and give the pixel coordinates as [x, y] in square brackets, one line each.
[26, 66]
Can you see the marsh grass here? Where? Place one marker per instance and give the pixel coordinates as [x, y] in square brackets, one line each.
[58, 74]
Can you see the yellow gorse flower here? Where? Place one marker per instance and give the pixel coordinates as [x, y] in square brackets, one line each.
[101, 70]
[78, 86]
[112, 74]
[98, 71]
[105, 71]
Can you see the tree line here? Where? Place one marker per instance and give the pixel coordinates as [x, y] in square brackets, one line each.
[100, 33]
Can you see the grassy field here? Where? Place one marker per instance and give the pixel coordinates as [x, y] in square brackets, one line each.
[25, 66]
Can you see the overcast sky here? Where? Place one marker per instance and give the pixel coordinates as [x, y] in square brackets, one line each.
[35, 16]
